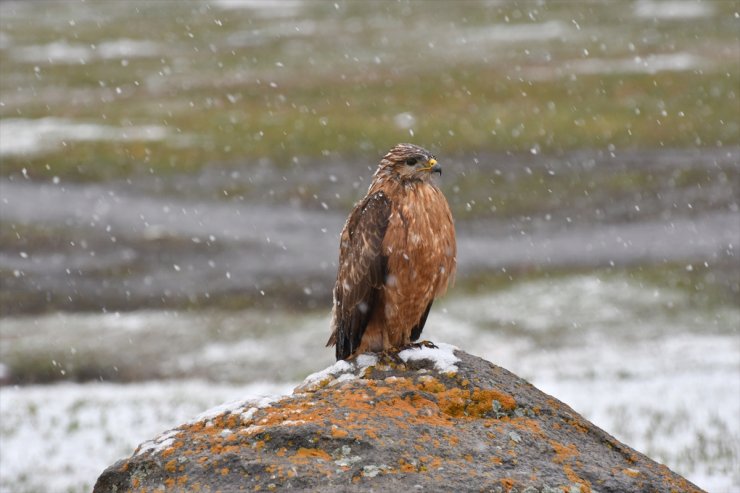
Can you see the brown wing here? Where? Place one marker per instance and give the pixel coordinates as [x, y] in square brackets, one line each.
[361, 273]
[416, 330]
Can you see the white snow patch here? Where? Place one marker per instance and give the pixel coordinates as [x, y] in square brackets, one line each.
[366, 360]
[162, 442]
[248, 414]
[443, 356]
[673, 9]
[263, 8]
[315, 379]
[128, 48]
[62, 52]
[651, 64]
[239, 406]
[25, 136]
[341, 371]
[344, 377]
[56, 52]
[517, 33]
[226, 407]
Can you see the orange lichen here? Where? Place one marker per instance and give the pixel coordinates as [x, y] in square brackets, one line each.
[508, 484]
[482, 401]
[453, 402]
[565, 455]
[574, 478]
[338, 433]
[578, 426]
[312, 453]
[406, 466]
[528, 425]
[507, 401]
[171, 466]
[476, 404]
[224, 471]
[431, 384]
[563, 452]
[431, 462]
[631, 472]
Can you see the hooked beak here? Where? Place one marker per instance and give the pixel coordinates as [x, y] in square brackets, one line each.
[434, 167]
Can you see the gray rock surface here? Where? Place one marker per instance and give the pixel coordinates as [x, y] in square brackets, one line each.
[425, 420]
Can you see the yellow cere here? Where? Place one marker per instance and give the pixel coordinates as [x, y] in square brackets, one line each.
[429, 165]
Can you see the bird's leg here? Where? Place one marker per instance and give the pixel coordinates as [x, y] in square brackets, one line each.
[390, 356]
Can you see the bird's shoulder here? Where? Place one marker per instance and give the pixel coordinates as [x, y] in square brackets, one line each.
[370, 213]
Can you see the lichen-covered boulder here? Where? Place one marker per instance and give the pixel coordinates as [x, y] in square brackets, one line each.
[429, 419]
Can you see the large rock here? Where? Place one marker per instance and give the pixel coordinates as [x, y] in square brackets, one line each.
[442, 420]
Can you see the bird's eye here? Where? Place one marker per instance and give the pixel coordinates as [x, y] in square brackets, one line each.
[411, 161]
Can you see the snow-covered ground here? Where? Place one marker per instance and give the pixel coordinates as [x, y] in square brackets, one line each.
[58, 438]
[644, 362]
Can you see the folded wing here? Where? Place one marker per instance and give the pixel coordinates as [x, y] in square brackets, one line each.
[361, 273]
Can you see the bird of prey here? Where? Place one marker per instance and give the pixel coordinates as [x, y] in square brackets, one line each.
[396, 255]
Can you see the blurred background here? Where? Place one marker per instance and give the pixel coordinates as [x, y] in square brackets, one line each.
[175, 176]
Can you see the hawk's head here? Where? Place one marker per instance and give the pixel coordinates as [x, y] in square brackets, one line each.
[409, 162]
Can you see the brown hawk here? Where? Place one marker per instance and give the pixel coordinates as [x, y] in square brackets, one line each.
[396, 255]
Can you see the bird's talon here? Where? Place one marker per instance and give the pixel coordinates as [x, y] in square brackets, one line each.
[419, 345]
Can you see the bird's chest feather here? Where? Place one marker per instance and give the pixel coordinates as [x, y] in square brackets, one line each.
[419, 244]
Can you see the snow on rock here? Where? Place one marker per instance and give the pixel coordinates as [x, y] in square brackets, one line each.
[443, 356]
[161, 442]
[341, 371]
[242, 406]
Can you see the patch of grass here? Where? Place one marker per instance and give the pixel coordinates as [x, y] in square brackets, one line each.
[232, 87]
